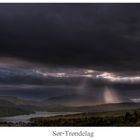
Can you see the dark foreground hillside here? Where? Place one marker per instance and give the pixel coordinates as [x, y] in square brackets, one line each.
[117, 118]
[112, 118]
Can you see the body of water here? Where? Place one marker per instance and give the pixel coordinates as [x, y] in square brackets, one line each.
[26, 118]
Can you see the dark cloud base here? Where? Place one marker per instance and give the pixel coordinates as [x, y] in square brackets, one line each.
[103, 36]
[40, 44]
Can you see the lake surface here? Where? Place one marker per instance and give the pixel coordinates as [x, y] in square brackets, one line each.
[26, 118]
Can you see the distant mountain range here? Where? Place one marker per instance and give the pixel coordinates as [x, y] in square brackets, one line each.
[10, 105]
[72, 100]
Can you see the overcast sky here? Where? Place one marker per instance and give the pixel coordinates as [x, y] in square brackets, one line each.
[59, 49]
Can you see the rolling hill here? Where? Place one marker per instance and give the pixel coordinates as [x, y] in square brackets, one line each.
[10, 106]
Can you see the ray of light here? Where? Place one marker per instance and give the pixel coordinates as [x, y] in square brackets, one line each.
[110, 96]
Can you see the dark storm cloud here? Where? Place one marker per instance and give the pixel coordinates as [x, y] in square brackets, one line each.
[100, 36]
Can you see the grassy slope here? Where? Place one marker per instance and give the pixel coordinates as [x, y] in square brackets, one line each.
[111, 118]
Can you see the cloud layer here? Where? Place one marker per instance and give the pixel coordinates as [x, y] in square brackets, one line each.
[51, 49]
